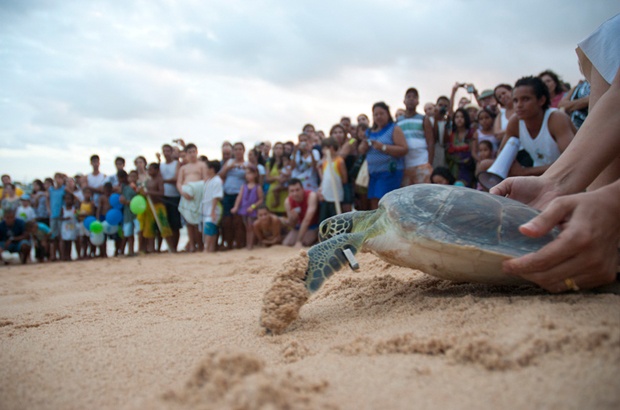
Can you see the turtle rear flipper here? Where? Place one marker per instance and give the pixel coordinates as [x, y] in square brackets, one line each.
[326, 258]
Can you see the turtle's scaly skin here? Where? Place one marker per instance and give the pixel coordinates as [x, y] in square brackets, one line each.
[450, 232]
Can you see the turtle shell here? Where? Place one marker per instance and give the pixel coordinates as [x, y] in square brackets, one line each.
[462, 217]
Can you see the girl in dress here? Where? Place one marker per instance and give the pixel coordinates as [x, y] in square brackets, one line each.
[249, 198]
[461, 145]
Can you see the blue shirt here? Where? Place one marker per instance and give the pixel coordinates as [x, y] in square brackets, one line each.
[56, 200]
[8, 232]
[379, 161]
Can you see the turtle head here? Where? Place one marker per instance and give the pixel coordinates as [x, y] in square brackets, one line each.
[344, 223]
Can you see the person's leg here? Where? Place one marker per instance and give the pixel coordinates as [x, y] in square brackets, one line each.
[239, 232]
[24, 251]
[290, 238]
[249, 232]
[310, 237]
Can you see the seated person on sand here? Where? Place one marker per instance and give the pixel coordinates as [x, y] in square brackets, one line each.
[190, 183]
[544, 132]
[267, 227]
[301, 215]
[13, 236]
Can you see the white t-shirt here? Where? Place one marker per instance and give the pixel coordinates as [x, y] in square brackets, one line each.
[167, 172]
[25, 213]
[96, 181]
[213, 189]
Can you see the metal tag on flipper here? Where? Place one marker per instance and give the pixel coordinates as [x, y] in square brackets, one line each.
[351, 259]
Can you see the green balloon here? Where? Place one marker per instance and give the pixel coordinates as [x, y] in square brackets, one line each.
[138, 205]
[96, 227]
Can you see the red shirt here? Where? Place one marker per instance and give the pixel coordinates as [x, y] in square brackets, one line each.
[301, 208]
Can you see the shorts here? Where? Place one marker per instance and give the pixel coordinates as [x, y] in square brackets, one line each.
[14, 247]
[55, 227]
[172, 210]
[210, 229]
[381, 183]
[128, 229]
[150, 226]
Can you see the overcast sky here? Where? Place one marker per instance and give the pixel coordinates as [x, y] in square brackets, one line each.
[121, 78]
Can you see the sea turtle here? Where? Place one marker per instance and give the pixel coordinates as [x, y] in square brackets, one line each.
[450, 232]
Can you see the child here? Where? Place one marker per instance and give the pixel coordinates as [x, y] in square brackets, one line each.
[40, 234]
[102, 208]
[68, 228]
[249, 198]
[267, 227]
[127, 194]
[211, 205]
[24, 210]
[155, 222]
[192, 172]
[332, 179]
[485, 152]
[55, 197]
[87, 208]
[485, 133]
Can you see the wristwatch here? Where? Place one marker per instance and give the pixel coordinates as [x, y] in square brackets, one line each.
[384, 148]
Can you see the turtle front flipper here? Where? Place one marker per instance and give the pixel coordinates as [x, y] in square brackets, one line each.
[326, 258]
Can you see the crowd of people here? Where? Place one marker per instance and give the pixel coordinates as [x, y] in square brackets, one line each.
[279, 193]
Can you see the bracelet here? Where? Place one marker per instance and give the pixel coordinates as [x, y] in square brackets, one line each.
[384, 148]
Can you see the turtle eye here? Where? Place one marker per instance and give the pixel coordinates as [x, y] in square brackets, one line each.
[324, 231]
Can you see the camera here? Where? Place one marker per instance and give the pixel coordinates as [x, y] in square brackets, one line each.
[443, 110]
[470, 89]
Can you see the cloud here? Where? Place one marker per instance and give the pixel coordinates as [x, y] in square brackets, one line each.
[121, 78]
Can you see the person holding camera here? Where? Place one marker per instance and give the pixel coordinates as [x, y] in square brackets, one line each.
[305, 161]
[441, 123]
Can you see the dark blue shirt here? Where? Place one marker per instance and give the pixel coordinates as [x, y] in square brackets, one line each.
[8, 232]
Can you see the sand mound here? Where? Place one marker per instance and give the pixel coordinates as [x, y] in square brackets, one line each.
[288, 293]
[237, 380]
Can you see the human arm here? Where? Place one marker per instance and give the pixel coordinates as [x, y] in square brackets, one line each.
[180, 180]
[568, 105]
[235, 208]
[586, 250]
[473, 146]
[398, 149]
[342, 169]
[310, 213]
[430, 138]
[455, 88]
[259, 200]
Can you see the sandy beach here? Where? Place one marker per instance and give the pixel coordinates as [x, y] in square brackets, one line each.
[182, 331]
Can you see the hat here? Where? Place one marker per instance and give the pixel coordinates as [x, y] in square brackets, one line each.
[486, 94]
[25, 197]
[471, 105]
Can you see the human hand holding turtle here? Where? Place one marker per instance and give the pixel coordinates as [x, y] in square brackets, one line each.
[536, 192]
[585, 254]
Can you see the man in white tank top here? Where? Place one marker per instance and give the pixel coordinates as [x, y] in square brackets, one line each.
[544, 133]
